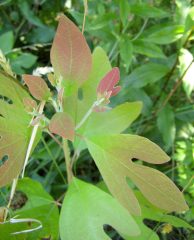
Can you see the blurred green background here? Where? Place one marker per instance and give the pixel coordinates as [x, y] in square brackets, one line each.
[152, 44]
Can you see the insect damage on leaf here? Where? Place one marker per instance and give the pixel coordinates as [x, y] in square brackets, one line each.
[70, 55]
[37, 87]
[14, 128]
[62, 124]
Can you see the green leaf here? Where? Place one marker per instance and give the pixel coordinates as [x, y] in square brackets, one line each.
[37, 204]
[146, 74]
[112, 121]
[147, 11]
[112, 154]
[22, 62]
[164, 34]
[126, 50]
[86, 209]
[148, 49]
[124, 11]
[187, 64]
[14, 128]
[70, 56]
[166, 125]
[78, 106]
[29, 14]
[37, 87]
[6, 41]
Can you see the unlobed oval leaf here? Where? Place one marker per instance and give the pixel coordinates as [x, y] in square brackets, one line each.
[62, 124]
[86, 209]
[37, 87]
[70, 55]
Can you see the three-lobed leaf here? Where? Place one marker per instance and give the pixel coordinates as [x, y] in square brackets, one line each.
[113, 155]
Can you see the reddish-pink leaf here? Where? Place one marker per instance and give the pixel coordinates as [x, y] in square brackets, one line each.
[62, 125]
[29, 104]
[106, 86]
[70, 55]
[37, 87]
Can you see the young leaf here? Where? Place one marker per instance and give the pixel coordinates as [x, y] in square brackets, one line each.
[14, 128]
[32, 201]
[70, 55]
[92, 208]
[37, 87]
[106, 88]
[113, 154]
[62, 124]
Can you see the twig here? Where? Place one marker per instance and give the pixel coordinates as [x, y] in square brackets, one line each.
[187, 185]
[85, 13]
[67, 161]
[33, 136]
[141, 30]
[174, 88]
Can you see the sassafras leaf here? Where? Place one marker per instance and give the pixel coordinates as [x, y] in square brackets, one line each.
[86, 209]
[113, 155]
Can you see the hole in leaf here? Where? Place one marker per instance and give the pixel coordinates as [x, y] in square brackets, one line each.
[134, 159]
[80, 94]
[4, 158]
[112, 233]
[6, 99]
[19, 200]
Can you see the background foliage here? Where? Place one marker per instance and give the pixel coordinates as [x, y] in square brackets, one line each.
[152, 44]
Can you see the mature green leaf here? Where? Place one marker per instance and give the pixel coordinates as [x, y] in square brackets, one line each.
[70, 56]
[14, 128]
[126, 50]
[147, 11]
[124, 11]
[22, 62]
[92, 209]
[166, 125]
[112, 121]
[37, 87]
[164, 35]
[146, 74]
[76, 105]
[187, 64]
[148, 49]
[37, 204]
[6, 41]
[62, 124]
[29, 14]
[113, 154]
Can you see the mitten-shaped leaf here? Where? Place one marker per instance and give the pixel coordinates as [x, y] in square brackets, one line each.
[14, 128]
[92, 208]
[37, 87]
[113, 155]
[62, 124]
[70, 55]
[106, 87]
